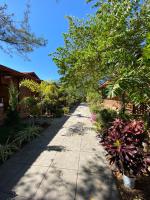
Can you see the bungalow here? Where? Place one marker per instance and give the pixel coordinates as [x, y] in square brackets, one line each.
[8, 76]
[112, 103]
[115, 102]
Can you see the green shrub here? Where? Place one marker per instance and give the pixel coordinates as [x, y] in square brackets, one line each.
[27, 134]
[66, 110]
[58, 112]
[5, 133]
[95, 109]
[31, 105]
[13, 97]
[98, 126]
[10, 141]
[10, 132]
[146, 119]
[7, 150]
[12, 125]
[106, 116]
[94, 97]
[12, 119]
[125, 116]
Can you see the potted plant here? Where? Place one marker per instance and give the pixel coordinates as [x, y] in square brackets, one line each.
[123, 143]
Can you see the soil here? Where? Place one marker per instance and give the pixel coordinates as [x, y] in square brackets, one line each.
[140, 192]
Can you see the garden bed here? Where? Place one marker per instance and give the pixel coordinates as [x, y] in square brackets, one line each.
[140, 192]
[126, 141]
[13, 139]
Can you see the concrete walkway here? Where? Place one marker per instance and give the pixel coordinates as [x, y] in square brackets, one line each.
[65, 163]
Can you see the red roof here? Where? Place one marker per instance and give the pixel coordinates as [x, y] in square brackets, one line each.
[9, 70]
[104, 85]
[27, 75]
[33, 74]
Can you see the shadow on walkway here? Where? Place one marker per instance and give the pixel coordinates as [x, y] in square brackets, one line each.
[62, 184]
[76, 172]
[15, 168]
[95, 181]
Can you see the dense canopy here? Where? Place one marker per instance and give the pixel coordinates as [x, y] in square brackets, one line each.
[111, 44]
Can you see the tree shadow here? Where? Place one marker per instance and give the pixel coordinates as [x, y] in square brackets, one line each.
[80, 115]
[56, 148]
[78, 128]
[20, 164]
[92, 181]
[95, 181]
[21, 180]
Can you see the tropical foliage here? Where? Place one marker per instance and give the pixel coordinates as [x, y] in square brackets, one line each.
[27, 134]
[110, 44]
[102, 119]
[7, 150]
[13, 133]
[45, 94]
[49, 97]
[30, 104]
[12, 118]
[13, 97]
[17, 140]
[94, 98]
[123, 144]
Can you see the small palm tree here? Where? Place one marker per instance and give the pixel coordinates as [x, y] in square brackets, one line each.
[13, 118]
[13, 97]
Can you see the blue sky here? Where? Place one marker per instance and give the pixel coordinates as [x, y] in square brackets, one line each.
[47, 19]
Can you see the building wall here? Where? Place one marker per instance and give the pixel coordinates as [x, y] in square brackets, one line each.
[112, 104]
[5, 82]
[116, 105]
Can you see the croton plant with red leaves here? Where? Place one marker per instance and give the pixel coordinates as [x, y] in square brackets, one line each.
[123, 143]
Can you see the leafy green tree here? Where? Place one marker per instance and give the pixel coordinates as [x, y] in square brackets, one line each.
[31, 105]
[108, 44]
[147, 48]
[46, 93]
[135, 83]
[94, 98]
[17, 35]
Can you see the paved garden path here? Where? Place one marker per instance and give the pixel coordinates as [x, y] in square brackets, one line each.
[65, 163]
